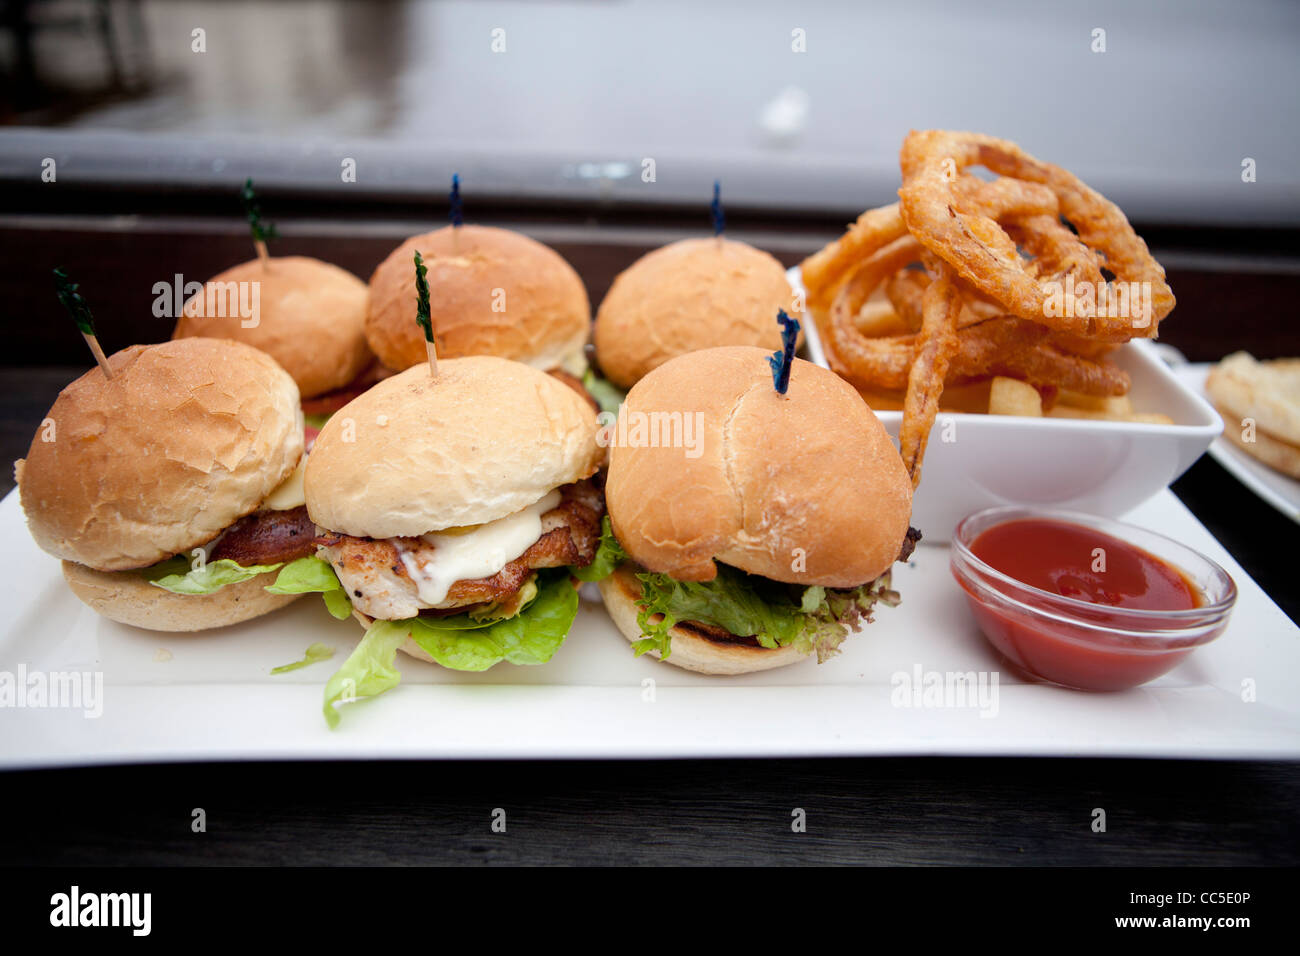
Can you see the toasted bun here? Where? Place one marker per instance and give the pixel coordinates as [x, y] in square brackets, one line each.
[805, 488]
[693, 294]
[416, 454]
[310, 318]
[542, 317]
[129, 598]
[188, 437]
[1268, 392]
[690, 648]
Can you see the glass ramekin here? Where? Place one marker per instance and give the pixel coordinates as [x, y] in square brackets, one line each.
[1076, 643]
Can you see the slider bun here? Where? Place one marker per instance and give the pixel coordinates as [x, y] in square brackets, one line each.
[188, 437]
[547, 316]
[690, 649]
[414, 454]
[774, 477]
[693, 294]
[129, 598]
[311, 320]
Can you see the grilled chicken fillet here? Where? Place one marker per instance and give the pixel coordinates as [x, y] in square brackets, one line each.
[376, 578]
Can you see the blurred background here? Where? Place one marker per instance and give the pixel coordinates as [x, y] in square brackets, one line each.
[797, 107]
[599, 127]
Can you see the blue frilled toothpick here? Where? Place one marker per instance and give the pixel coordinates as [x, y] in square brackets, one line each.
[455, 212]
[715, 208]
[783, 361]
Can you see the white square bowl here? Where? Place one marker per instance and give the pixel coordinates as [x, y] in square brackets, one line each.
[1103, 468]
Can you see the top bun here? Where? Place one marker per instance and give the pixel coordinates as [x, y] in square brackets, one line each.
[416, 454]
[186, 438]
[311, 319]
[495, 293]
[693, 294]
[805, 488]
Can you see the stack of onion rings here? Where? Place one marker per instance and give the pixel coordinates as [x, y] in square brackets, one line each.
[963, 279]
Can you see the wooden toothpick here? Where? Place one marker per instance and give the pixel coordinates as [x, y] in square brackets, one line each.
[422, 313]
[76, 307]
[261, 232]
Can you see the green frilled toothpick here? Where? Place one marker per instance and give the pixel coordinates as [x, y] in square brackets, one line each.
[423, 315]
[262, 233]
[76, 307]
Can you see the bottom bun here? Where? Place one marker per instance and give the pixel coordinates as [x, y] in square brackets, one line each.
[690, 649]
[1277, 454]
[128, 598]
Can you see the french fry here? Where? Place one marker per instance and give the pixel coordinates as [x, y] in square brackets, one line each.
[1010, 396]
[1113, 404]
[1148, 418]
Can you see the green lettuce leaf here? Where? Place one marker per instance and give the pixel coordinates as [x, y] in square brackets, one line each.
[176, 575]
[817, 620]
[458, 642]
[369, 669]
[316, 421]
[609, 555]
[311, 575]
[530, 637]
[607, 395]
[315, 654]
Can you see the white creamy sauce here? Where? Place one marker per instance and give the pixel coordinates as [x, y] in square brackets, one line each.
[477, 553]
[288, 494]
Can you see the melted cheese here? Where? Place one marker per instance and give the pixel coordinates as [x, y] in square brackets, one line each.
[466, 554]
[288, 494]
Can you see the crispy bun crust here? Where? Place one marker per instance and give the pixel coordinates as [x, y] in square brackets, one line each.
[546, 317]
[311, 320]
[690, 650]
[805, 488]
[689, 295]
[188, 437]
[414, 454]
[129, 598]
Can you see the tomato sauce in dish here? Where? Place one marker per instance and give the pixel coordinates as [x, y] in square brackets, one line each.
[1084, 564]
[1110, 634]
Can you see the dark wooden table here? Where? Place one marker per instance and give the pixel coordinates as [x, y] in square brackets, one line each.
[883, 811]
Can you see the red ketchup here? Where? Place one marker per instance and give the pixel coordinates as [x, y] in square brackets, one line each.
[1085, 565]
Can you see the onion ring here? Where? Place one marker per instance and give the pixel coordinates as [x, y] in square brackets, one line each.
[976, 246]
[936, 344]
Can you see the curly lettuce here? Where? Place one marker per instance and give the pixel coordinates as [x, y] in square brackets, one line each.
[817, 621]
[463, 642]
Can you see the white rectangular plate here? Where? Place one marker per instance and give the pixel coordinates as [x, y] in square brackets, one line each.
[214, 698]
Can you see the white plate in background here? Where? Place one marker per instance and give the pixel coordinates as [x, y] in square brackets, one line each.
[1099, 467]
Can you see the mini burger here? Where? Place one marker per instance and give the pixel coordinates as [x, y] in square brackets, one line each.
[748, 529]
[450, 514]
[306, 314]
[173, 490]
[497, 292]
[693, 294]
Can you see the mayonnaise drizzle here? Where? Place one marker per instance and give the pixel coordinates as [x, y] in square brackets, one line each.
[477, 553]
